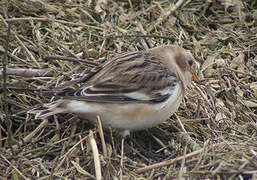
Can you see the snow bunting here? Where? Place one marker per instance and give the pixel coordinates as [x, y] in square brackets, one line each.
[130, 92]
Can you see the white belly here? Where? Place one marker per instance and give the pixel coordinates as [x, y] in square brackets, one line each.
[128, 117]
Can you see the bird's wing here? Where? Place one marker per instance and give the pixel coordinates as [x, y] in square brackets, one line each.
[137, 77]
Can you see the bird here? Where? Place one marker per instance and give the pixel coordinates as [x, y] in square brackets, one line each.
[130, 92]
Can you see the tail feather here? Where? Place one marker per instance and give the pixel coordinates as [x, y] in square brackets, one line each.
[49, 109]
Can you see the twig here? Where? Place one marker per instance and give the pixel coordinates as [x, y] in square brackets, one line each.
[32, 134]
[171, 161]
[101, 133]
[27, 72]
[247, 74]
[181, 125]
[10, 55]
[142, 36]
[14, 167]
[81, 170]
[167, 162]
[5, 102]
[26, 49]
[27, 19]
[50, 176]
[4, 62]
[185, 136]
[62, 46]
[54, 20]
[165, 15]
[122, 157]
[182, 168]
[69, 152]
[76, 60]
[98, 172]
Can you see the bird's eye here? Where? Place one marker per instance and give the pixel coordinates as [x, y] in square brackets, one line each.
[190, 62]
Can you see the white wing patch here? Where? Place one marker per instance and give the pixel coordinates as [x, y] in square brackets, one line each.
[165, 91]
[138, 95]
[173, 97]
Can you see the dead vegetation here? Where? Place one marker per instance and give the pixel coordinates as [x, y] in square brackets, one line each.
[216, 138]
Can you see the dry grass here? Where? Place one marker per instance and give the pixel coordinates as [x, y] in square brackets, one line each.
[219, 114]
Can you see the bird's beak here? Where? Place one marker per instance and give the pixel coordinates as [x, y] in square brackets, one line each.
[195, 77]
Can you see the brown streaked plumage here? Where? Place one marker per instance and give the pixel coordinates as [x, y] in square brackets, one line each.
[131, 91]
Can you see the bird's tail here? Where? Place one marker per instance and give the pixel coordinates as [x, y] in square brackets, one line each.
[49, 109]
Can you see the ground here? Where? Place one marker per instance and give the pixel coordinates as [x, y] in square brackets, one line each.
[211, 136]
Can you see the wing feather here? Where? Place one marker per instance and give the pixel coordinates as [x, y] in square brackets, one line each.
[123, 78]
